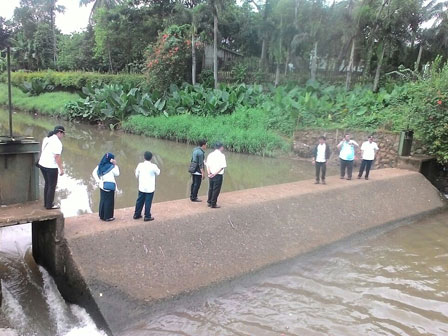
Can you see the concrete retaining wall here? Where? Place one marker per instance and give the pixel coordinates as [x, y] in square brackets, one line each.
[124, 268]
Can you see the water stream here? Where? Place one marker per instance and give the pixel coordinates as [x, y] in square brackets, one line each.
[390, 283]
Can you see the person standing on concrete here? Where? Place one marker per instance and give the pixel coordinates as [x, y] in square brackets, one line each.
[347, 155]
[146, 173]
[369, 149]
[50, 163]
[216, 163]
[104, 174]
[321, 154]
[197, 162]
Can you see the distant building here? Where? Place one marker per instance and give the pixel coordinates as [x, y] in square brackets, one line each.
[225, 56]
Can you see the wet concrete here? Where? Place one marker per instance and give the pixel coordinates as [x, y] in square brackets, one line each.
[26, 213]
[128, 265]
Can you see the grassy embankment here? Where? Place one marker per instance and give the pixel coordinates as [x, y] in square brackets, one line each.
[51, 103]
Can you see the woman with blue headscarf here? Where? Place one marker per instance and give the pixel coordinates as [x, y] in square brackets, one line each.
[104, 174]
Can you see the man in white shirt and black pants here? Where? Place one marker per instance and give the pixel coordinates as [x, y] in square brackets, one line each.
[146, 173]
[321, 154]
[369, 149]
[216, 163]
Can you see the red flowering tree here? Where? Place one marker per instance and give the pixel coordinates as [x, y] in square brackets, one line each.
[168, 60]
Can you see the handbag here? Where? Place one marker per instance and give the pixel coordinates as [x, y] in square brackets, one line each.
[109, 186]
[193, 167]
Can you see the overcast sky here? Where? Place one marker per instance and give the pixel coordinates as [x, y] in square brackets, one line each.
[74, 19]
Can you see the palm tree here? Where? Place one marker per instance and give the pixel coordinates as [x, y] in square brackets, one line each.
[97, 4]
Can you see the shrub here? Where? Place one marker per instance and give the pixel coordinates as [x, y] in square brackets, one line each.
[36, 87]
[75, 80]
[168, 59]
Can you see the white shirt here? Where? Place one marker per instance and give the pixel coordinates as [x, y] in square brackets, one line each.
[109, 177]
[146, 174]
[215, 161]
[320, 157]
[50, 147]
[347, 151]
[368, 150]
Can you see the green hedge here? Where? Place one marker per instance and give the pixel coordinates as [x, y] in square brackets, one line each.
[75, 80]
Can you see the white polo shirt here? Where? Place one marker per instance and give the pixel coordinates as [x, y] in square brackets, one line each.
[146, 173]
[320, 157]
[368, 150]
[50, 147]
[215, 161]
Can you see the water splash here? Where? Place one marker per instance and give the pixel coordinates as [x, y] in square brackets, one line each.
[12, 309]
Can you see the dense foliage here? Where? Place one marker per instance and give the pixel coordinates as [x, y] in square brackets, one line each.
[168, 59]
[74, 80]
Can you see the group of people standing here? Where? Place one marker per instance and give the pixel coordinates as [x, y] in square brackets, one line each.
[347, 152]
[213, 167]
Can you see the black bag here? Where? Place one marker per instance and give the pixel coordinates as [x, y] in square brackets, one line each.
[193, 167]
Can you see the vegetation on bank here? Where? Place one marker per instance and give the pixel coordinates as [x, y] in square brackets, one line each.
[73, 80]
[258, 119]
[245, 131]
[49, 103]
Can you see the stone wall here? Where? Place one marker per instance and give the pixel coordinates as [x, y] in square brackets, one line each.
[305, 140]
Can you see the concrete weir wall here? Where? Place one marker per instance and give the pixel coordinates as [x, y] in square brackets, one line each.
[124, 268]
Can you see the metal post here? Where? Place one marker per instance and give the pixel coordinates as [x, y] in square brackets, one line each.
[8, 56]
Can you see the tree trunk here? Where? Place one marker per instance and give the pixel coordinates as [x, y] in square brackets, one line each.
[376, 81]
[419, 57]
[314, 62]
[111, 68]
[348, 80]
[53, 28]
[287, 61]
[193, 60]
[215, 48]
[263, 55]
[277, 75]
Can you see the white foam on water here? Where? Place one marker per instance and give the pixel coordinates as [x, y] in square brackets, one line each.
[12, 309]
[59, 312]
[70, 320]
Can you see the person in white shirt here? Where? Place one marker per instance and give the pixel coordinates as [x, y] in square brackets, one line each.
[104, 175]
[146, 173]
[216, 163]
[347, 155]
[49, 162]
[321, 154]
[369, 149]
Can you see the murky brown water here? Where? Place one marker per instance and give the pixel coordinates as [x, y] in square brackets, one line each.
[392, 283]
[84, 146]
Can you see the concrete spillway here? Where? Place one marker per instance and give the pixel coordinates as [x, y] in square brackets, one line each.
[126, 266]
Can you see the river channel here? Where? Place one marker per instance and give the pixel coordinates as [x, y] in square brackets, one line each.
[389, 282]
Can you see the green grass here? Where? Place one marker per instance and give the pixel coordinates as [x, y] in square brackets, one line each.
[51, 103]
[242, 131]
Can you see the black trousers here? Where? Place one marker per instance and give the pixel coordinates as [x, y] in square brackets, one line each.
[195, 185]
[365, 164]
[107, 200]
[214, 188]
[143, 199]
[51, 180]
[321, 167]
[346, 164]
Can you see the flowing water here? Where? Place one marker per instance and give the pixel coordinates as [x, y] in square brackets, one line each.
[391, 283]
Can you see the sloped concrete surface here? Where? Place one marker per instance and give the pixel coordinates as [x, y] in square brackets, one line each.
[126, 266]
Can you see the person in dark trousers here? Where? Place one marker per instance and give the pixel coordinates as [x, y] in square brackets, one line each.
[216, 163]
[369, 149]
[321, 154]
[50, 164]
[347, 149]
[104, 174]
[146, 173]
[198, 157]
